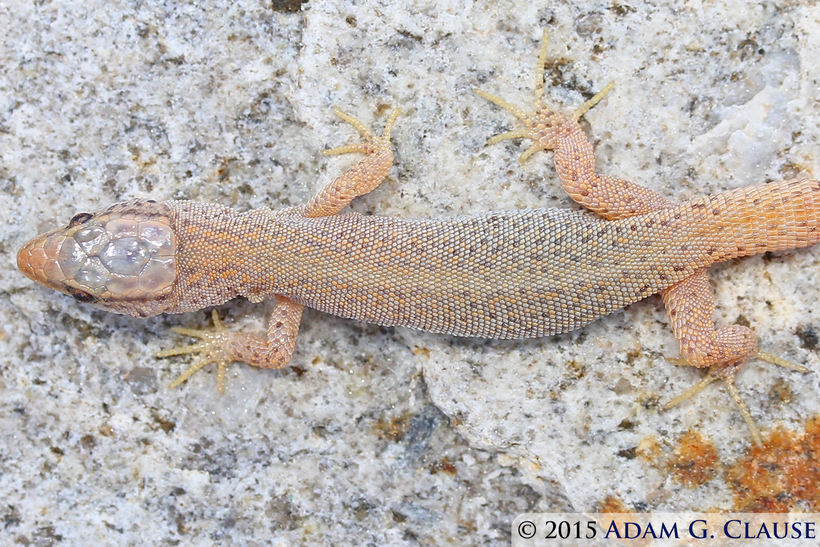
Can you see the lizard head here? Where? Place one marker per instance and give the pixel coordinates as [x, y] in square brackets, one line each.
[121, 259]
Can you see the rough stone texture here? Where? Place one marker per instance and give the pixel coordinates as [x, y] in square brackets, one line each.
[231, 102]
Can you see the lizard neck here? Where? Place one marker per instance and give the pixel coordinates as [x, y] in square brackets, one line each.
[223, 254]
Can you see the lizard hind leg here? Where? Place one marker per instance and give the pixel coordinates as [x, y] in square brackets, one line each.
[544, 126]
[724, 351]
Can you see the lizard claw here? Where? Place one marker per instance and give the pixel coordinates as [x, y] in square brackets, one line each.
[727, 374]
[372, 142]
[544, 125]
[212, 349]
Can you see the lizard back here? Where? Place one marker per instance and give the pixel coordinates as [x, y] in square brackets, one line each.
[516, 274]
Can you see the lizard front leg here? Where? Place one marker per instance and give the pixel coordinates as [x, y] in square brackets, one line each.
[360, 179]
[220, 346]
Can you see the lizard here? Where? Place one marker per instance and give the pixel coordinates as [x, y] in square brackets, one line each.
[506, 274]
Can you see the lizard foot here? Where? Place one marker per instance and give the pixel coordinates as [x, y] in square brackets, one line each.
[543, 125]
[372, 142]
[727, 374]
[362, 177]
[214, 348]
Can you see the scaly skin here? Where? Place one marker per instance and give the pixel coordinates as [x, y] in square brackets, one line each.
[514, 274]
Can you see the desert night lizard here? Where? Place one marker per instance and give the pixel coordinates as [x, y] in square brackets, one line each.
[509, 274]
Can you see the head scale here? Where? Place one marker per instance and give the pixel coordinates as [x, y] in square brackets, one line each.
[122, 259]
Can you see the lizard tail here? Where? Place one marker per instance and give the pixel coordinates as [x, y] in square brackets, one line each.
[758, 219]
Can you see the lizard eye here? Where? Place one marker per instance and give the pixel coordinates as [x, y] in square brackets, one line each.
[81, 296]
[79, 218]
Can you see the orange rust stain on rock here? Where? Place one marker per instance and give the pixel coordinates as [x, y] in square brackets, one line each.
[650, 450]
[393, 428]
[613, 504]
[782, 474]
[443, 465]
[694, 461]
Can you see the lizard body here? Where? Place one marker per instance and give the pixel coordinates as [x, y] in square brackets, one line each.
[514, 274]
